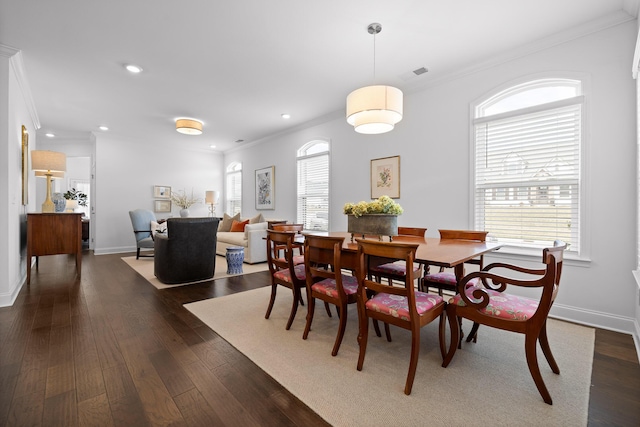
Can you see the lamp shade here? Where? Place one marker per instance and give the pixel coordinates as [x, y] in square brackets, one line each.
[43, 160]
[189, 126]
[374, 109]
[212, 197]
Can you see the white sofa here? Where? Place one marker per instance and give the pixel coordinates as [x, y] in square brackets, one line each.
[252, 239]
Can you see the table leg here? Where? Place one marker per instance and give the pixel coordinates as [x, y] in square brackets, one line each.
[459, 272]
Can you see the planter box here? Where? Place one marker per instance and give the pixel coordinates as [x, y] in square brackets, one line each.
[377, 225]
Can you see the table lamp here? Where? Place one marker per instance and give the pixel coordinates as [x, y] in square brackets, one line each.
[211, 198]
[50, 163]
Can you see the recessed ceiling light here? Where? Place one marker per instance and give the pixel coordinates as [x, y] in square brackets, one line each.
[50, 135]
[286, 116]
[103, 128]
[212, 146]
[133, 68]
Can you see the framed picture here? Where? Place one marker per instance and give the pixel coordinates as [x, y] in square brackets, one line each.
[25, 166]
[161, 192]
[162, 205]
[385, 177]
[265, 188]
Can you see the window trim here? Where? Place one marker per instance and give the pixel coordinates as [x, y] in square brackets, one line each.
[298, 157]
[237, 169]
[583, 256]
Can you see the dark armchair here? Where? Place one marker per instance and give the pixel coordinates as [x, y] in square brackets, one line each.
[188, 252]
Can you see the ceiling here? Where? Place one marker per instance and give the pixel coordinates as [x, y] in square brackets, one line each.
[238, 65]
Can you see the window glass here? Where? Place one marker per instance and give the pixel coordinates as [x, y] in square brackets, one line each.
[313, 186]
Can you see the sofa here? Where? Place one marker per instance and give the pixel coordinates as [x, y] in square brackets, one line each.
[251, 238]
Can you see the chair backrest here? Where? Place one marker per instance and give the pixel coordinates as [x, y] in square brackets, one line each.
[391, 251]
[280, 241]
[555, 255]
[478, 236]
[141, 222]
[288, 227]
[411, 231]
[270, 224]
[322, 260]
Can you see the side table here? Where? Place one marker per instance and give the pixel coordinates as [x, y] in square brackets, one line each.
[235, 258]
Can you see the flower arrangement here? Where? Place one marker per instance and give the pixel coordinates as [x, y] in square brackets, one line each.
[382, 205]
[78, 195]
[181, 199]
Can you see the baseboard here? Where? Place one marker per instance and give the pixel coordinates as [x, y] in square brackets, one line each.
[594, 318]
[7, 299]
[636, 339]
[117, 250]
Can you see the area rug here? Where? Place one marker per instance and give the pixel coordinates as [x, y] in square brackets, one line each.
[487, 383]
[144, 267]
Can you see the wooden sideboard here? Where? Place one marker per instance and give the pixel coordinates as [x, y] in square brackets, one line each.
[52, 234]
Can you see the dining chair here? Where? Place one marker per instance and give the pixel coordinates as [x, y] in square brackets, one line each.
[401, 306]
[397, 270]
[488, 304]
[283, 271]
[446, 280]
[297, 228]
[325, 281]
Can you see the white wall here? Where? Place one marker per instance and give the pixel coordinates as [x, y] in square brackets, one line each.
[433, 143]
[126, 172]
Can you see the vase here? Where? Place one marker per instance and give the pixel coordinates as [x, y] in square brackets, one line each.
[71, 205]
[59, 202]
[184, 213]
[376, 224]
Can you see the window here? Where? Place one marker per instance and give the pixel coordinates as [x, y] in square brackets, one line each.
[233, 190]
[527, 155]
[313, 185]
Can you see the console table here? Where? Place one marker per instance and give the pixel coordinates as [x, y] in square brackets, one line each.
[52, 234]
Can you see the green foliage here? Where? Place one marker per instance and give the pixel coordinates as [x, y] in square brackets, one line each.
[383, 205]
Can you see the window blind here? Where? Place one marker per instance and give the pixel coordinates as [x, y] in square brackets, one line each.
[527, 174]
[234, 192]
[313, 191]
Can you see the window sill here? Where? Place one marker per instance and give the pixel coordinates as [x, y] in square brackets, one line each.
[530, 254]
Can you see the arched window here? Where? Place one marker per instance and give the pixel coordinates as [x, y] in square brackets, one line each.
[313, 185]
[233, 190]
[527, 156]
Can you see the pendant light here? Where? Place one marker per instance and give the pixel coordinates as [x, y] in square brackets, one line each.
[374, 109]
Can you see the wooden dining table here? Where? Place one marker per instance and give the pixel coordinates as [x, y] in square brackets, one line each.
[448, 253]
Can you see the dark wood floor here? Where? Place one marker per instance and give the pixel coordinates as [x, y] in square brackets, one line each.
[110, 349]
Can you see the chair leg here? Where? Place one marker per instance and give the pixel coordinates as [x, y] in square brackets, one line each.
[413, 362]
[363, 334]
[341, 327]
[376, 328]
[294, 307]
[387, 332]
[274, 288]
[544, 343]
[473, 335]
[530, 341]
[327, 308]
[138, 254]
[455, 335]
[442, 334]
[310, 310]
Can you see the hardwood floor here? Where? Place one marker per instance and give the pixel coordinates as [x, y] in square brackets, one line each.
[110, 349]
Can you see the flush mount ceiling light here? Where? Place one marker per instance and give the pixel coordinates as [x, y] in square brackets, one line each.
[133, 68]
[374, 109]
[189, 126]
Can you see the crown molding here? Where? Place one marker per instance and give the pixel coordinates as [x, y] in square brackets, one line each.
[17, 64]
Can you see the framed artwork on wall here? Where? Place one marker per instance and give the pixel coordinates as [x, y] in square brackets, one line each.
[161, 192]
[385, 177]
[162, 205]
[265, 188]
[25, 166]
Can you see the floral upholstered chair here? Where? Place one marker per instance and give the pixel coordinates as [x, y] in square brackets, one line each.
[486, 303]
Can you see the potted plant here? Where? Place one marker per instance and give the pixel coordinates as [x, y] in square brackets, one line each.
[181, 199]
[378, 217]
[75, 198]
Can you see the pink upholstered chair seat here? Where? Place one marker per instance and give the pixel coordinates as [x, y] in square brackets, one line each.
[329, 287]
[447, 279]
[398, 268]
[503, 305]
[286, 275]
[398, 306]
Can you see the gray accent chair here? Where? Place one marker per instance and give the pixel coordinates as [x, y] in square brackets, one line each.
[141, 222]
[187, 253]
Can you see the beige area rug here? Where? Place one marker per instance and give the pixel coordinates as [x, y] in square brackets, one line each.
[144, 267]
[487, 383]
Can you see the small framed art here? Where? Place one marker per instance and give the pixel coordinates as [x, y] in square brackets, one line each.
[385, 177]
[162, 205]
[161, 192]
[265, 188]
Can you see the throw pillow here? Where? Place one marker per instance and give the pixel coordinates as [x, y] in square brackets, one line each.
[256, 219]
[227, 222]
[238, 226]
[158, 228]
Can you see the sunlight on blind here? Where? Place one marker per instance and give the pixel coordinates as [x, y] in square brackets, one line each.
[313, 187]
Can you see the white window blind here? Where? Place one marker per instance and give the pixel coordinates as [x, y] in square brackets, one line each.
[313, 186]
[234, 189]
[527, 174]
